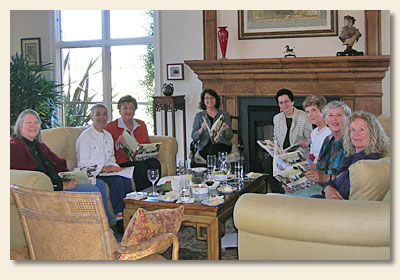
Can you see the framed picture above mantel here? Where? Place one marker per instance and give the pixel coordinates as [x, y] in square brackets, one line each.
[267, 24]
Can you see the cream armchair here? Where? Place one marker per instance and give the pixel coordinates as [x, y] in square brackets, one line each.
[62, 142]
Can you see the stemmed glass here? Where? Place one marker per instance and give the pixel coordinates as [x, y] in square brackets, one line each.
[209, 181]
[226, 170]
[153, 175]
[222, 156]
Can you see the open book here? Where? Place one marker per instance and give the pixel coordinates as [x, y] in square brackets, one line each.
[136, 151]
[84, 175]
[215, 131]
[288, 164]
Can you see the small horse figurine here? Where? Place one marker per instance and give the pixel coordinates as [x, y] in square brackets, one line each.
[289, 52]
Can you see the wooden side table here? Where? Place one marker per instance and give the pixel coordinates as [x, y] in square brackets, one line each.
[170, 104]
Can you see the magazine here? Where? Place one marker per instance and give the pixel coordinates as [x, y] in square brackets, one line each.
[126, 172]
[136, 151]
[270, 147]
[215, 131]
[83, 175]
[289, 169]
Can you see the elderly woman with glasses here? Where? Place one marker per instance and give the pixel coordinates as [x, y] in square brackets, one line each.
[209, 103]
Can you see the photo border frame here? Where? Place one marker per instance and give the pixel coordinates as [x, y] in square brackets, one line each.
[174, 76]
[331, 31]
[33, 43]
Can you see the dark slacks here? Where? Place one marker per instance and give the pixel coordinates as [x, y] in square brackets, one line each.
[276, 186]
[140, 172]
[119, 187]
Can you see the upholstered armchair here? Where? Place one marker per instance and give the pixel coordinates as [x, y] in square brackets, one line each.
[73, 226]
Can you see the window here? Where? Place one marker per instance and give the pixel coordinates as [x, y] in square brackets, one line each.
[104, 55]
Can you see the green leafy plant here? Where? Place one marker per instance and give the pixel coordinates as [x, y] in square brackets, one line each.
[76, 103]
[31, 89]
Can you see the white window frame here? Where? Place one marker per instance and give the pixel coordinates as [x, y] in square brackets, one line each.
[105, 44]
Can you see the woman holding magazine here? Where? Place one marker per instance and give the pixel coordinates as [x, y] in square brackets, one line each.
[364, 138]
[28, 152]
[331, 155]
[127, 106]
[95, 148]
[203, 122]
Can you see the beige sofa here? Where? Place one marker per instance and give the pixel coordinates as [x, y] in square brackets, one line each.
[62, 142]
[279, 227]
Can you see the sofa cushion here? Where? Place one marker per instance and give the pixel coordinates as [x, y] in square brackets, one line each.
[145, 225]
[370, 179]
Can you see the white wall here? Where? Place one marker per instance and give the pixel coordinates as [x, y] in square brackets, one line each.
[181, 38]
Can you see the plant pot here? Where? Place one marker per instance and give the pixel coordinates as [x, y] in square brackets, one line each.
[168, 89]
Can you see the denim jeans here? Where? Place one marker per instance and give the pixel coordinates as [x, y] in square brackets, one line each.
[99, 187]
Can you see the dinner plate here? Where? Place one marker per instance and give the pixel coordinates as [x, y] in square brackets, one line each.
[231, 177]
[199, 169]
[221, 189]
[136, 195]
[164, 198]
[253, 175]
[212, 202]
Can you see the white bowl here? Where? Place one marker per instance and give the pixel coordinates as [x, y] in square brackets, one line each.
[199, 189]
[199, 169]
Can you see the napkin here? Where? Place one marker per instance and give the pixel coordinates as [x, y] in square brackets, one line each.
[174, 182]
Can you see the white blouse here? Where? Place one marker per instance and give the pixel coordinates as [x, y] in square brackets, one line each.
[95, 148]
[317, 139]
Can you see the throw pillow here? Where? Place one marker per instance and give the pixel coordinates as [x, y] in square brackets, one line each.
[145, 225]
[370, 179]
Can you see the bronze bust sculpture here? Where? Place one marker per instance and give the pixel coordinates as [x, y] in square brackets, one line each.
[349, 35]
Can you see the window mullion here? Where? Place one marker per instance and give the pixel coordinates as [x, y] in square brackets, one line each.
[106, 61]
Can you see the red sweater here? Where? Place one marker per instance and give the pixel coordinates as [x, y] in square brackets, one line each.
[20, 157]
[140, 133]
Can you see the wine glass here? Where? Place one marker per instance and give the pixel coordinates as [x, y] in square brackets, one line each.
[226, 169]
[153, 175]
[209, 181]
[222, 157]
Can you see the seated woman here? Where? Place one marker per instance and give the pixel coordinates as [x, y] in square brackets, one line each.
[364, 138]
[127, 106]
[314, 106]
[28, 152]
[209, 103]
[291, 126]
[331, 155]
[95, 147]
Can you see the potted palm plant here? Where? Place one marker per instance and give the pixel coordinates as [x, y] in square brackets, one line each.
[31, 89]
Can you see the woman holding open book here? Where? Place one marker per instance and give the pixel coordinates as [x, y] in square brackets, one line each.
[136, 128]
[95, 148]
[28, 152]
[212, 127]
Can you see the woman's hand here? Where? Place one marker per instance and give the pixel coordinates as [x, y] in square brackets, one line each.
[316, 176]
[111, 168]
[120, 140]
[287, 189]
[225, 126]
[312, 166]
[304, 143]
[203, 126]
[69, 185]
[332, 193]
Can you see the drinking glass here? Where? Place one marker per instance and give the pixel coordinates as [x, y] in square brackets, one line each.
[226, 170]
[209, 181]
[211, 162]
[222, 157]
[153, 175]
[240, 171]
[184, 188]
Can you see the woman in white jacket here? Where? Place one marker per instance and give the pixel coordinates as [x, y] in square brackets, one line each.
[95, 148]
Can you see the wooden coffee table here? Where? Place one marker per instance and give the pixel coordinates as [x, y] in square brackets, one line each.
[209, 219]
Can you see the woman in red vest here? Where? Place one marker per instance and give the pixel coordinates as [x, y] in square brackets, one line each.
[127, 106]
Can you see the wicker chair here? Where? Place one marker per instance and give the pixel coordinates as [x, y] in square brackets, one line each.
[73, 226]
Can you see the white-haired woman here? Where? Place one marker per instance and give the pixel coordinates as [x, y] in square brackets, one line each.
[364, 138]
[95, 147]
[28, 152]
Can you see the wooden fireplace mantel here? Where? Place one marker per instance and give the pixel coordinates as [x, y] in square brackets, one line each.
[357, 80]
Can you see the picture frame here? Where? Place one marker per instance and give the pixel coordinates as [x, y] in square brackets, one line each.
[31, 49]
[267, 24]
[175, 71]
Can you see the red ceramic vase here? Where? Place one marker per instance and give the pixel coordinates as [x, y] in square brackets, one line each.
[223, 39]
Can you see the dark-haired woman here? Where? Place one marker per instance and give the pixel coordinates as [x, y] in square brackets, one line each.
[209, 103]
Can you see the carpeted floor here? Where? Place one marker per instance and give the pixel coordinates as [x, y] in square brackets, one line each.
[192, 249]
